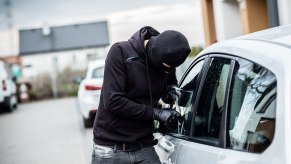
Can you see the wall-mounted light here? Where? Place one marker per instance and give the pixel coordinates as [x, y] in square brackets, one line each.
[46, 31]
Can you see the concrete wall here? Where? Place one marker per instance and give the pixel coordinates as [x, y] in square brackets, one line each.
[58, 61]
[284, 8]
[227, 19]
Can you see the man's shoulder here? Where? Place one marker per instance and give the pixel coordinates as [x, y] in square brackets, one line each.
[120, 46]
[123, 43]
[126, 47]
[123, 48]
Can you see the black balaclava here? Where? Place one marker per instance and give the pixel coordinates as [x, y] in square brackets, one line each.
[170, 47]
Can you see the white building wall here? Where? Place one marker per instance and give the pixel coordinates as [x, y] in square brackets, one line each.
[227, 19]
[8, 42]
[284, 9]
[36, 64]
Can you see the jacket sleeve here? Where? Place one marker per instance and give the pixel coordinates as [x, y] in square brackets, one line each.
[114, 89]
[171, 80]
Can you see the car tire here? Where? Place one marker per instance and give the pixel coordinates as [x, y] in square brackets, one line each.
[9, 106]
[88, 123]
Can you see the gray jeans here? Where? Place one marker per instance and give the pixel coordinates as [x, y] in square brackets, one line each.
[106, 155]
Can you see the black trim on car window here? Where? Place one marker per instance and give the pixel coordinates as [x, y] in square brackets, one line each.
[198, 95]
[204, 141]
[223, 123]
[191, 66]
[222, 55]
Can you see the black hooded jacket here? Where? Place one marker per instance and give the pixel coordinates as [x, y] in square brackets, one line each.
[129, 93]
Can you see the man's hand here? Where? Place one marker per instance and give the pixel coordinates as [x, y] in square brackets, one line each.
[167, 116]
[173, 92]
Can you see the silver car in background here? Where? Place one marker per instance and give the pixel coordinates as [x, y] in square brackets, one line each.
[89, 91]
[239, 109]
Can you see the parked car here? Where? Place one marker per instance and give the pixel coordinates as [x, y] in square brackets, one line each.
[8, 90]
[89, 91]
[233, 114]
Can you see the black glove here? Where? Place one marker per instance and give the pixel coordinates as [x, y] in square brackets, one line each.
[166, 116]
[172, 93]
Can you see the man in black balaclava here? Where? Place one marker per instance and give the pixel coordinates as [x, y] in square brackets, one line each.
[137, 74]
[170, 47]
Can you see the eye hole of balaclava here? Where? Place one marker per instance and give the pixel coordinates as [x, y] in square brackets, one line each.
[170, 47]
[167, 68]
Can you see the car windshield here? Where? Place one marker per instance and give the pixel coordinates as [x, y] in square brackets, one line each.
[98, 72]
[3, 72]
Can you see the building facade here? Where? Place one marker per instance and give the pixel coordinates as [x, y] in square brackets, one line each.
[225, 19]
[53, 49]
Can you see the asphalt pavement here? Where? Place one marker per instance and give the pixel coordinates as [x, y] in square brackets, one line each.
[45, 132]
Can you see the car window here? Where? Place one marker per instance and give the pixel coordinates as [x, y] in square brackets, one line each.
[98, 72]
[8, 71]
[210, 105]
[3, 72]
[188, 86]
[252, 107]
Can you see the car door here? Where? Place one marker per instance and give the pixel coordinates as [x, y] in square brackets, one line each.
[199, 137]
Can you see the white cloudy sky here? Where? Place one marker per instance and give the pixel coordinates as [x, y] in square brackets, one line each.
[124, 17]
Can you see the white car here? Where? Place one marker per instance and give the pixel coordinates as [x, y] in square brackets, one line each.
[8, 92]
[233, 115]
[89, 91]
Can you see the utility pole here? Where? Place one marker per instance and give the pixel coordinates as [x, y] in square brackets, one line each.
[54, 77]
[8, 14]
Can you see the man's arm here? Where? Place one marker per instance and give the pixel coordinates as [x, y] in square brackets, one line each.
[114, 94]
[171, 81]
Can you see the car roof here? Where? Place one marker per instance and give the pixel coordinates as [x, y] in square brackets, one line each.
[279, 35]
[267, 47]
[96, 63]
[93, 65]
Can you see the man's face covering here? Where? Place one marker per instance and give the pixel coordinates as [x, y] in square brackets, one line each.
[169, 47]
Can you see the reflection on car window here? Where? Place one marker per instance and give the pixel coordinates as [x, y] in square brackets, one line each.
[98, 72]
[252, 108]
[210, 106]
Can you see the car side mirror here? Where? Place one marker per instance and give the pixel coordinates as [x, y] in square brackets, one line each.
[14, 79]
[77, 80]
[185, 97]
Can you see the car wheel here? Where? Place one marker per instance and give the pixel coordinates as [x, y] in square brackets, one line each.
[9, 104]
[88, 123]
